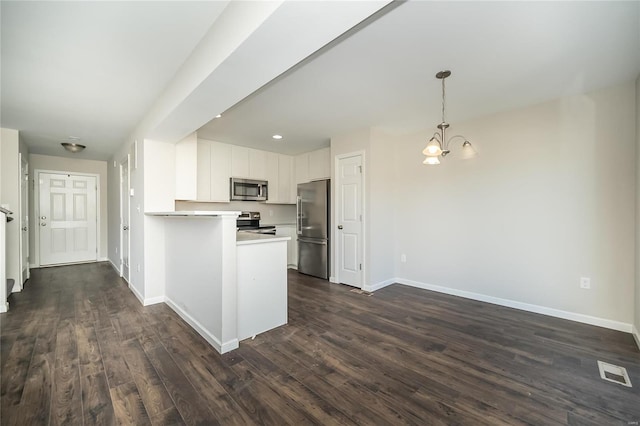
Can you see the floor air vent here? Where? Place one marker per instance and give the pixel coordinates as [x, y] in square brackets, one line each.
[614, 374]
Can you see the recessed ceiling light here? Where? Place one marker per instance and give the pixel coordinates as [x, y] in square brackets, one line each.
[277, 137]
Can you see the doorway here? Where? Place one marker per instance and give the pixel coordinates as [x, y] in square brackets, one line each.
[24, 221]
[67, 218]
[349, 213]
[124, 218]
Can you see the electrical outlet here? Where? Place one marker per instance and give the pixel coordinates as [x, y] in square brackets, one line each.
[403, 258]
[585, 283]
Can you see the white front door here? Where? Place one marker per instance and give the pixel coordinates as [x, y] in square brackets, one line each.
[124, 217]
[349, 220]
[24, 219]
[67, 219]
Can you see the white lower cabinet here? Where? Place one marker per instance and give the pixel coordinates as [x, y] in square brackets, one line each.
[292, 244]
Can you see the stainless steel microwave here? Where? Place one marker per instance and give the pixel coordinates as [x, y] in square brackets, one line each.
[249, 190]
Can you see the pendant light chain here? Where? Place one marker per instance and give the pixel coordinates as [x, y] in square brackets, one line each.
[443, 99]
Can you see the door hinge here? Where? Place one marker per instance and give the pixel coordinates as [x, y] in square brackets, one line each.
[360, 218]
[360, 168]
[361, 266]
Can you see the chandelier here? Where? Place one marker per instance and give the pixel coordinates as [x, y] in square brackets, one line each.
[438, 145]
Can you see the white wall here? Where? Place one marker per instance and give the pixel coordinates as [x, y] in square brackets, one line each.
[382, 208]
[10, 198]
[135, 150]
[549, 199]
[637, 258]
[64, 164]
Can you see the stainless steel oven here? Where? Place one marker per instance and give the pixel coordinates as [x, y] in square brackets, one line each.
[249, 190]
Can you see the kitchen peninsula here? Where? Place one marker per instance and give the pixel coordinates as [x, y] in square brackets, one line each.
[227, 286]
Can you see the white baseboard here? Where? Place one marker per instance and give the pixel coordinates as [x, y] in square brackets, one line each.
[636, 335]
[115, 267]
[33, 266]
[333, 280]
[104, 259]
[154, 300]
[137, 294]
[4, 307]
[378, 286]
[213, 340]
[586, 319]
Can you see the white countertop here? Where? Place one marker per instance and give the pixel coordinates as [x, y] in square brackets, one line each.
[251, 238]
[196, 213]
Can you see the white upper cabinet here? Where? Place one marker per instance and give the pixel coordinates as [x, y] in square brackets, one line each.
[220, 171]
[204, 167]
[286, 185]
[186, 168]
[280, 178]
[239, 161]
[214, 171]
[257, 164]
[273, 177]
[302, 168]
[313, 165]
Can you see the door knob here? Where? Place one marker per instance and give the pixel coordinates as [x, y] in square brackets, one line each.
[339, 226]
[24, 228]
[125, 228]
[43, 217]
[43, 224]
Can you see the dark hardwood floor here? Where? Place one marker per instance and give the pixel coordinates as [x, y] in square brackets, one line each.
[78, 348]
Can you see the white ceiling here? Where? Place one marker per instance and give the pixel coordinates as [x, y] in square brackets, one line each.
[502, 55]
[93, 69]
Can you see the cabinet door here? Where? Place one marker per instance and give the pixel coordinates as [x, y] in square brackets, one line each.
[240, 161]
[203, 181]
[319, 164]
[257, 164]
[220, 163]
[302, 168]
[273, 177]
[186, 163]
[292, 244]
[285, 164]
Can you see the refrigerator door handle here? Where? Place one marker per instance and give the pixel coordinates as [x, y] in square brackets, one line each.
[298, 216]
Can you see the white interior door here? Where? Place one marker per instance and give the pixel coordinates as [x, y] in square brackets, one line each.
[24, 219]
[349, 220]
[124, 217]
[68, 218]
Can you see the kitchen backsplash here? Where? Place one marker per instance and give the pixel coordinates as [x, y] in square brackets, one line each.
[271, 213]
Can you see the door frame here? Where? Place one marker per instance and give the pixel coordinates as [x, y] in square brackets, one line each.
[36, 209]
[336, 197]
[127, 157]
[21, 213]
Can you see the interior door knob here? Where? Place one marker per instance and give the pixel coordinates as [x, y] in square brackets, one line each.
[43, 224]
[125, 228]
[339, 226]
[24, 228]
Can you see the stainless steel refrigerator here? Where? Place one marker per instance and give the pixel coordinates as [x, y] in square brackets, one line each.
[313, 228]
